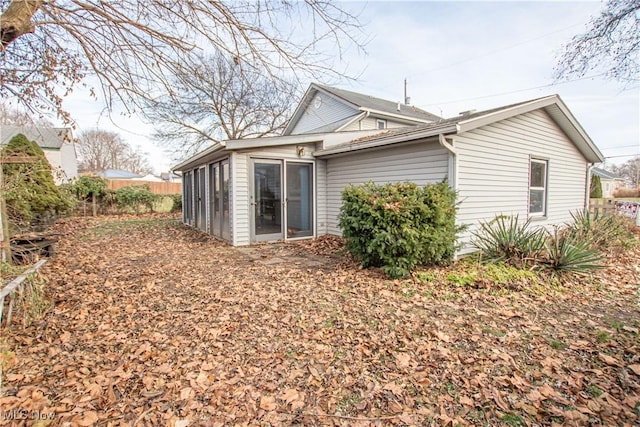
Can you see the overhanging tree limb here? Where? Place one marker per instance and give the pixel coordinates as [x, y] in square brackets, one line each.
[134, 46]
[611, 43]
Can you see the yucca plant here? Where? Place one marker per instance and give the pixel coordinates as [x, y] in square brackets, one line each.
[602, 231]
[564, 252]
[506, 239]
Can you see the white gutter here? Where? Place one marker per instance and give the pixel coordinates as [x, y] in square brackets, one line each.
[453, 160]
[400, 117]
[382, 141]
[446, 144]
[587, 193]
[218, 146]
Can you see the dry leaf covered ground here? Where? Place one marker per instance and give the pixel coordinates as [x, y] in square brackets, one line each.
[153, 323]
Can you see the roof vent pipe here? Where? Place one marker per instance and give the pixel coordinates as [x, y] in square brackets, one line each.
[398, 106]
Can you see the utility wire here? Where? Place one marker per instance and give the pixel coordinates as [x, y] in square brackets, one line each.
[492, 52]
[513, 91]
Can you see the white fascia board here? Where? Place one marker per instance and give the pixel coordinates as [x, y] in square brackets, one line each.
[355, 118]
[300, 108]
[380, 142]
[399, 117]
[476, 122]
[567, 122]
[239, 144]
[218, 146]
[577, 133]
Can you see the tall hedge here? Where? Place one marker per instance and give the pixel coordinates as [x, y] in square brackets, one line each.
[30, 192]
[397, 226]
[596, 187]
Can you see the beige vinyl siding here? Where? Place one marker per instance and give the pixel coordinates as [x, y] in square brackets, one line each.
[321, 197]
[330, 111]
[240, 201]
[493, 171]
[422, 163]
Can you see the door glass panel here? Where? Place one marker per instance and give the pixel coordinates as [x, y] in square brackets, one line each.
[225, 200]
[214, 188]
[267, 198]
[202, 197]
[299, 200]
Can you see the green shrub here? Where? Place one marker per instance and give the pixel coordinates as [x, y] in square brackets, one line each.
[507, 240]
[398, 226]
[30, 193]
[177, 203]
[135, 197]
[89, 186]
[596, 187]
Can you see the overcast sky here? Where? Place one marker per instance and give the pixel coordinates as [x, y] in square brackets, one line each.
[458, 56]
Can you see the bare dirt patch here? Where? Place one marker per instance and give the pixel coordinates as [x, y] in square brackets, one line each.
[156, 324]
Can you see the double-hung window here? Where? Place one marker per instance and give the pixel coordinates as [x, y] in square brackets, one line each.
[538, 187]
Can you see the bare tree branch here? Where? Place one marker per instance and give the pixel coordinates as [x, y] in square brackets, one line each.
[611, 44]
[134, 47]
[216, 99]
[101, 150]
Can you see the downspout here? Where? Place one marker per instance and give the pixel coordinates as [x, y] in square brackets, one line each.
[587, 195]
[453, 166]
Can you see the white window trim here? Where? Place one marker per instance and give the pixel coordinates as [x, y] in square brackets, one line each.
[544, 188]
[384, 124]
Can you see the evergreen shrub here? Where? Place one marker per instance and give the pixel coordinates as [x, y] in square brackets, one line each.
[31, 195]
[398, 226]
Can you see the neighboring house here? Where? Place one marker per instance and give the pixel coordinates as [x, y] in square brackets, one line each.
[116, 174]
[609, 180]
[170, 177]
[531, 159]
[58, 146]
[149, 178]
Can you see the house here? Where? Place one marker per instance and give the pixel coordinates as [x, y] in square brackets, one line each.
[532, 159]
[58, 146]
[149, 178]
[170, 177]
[609, 180]
[116, 174]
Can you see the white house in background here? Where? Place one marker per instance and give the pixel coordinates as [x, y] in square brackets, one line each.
[117, 174]
[58, 146]
[609, 180]
[149, 178]
[531, 159]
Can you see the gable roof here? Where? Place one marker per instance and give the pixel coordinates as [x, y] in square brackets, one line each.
[552, 104]
[371, 103]
[45, 137]
[605, 174]
[362, 103]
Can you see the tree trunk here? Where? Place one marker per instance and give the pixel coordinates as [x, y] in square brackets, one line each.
[94, 205]
[15, 21]
[5, 246]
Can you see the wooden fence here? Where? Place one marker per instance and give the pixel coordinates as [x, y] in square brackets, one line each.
[155, 187]
[15, 287]
[628, 208]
